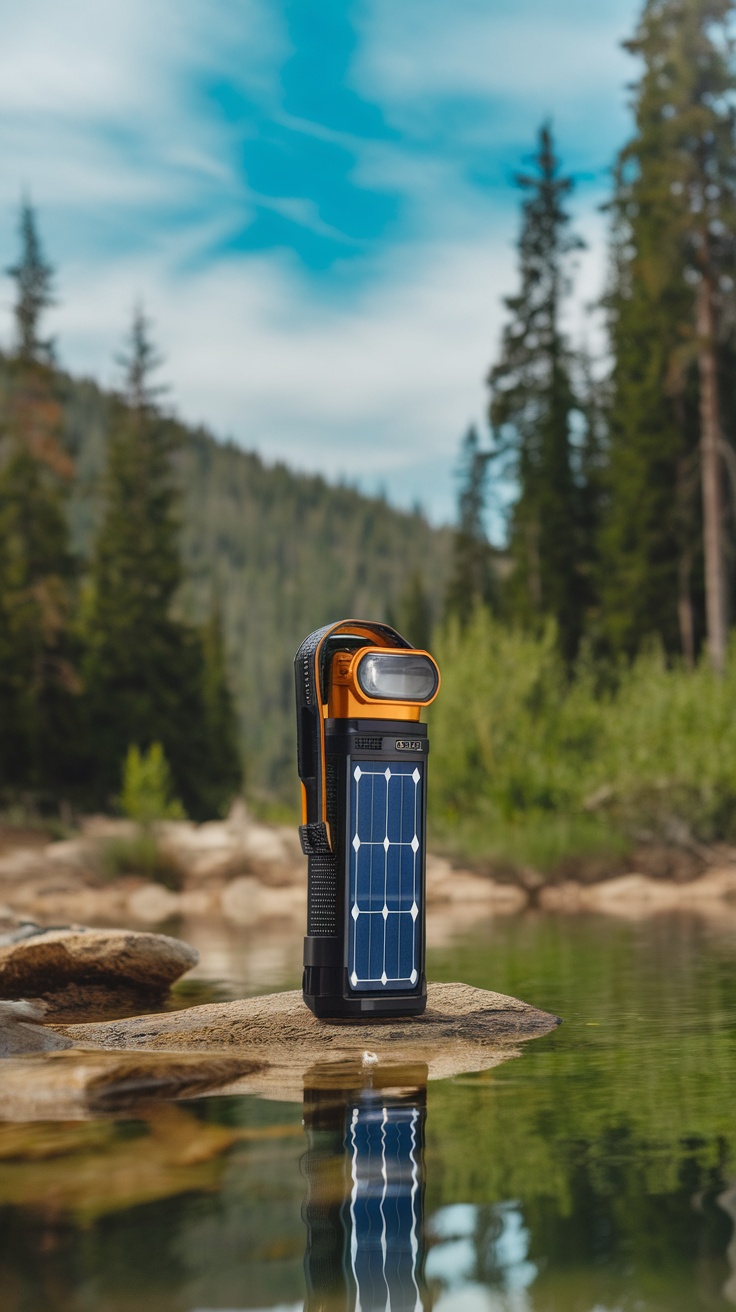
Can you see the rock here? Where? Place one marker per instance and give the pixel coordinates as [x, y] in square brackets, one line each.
[445, 884]
[71, 1084]
[246, 901]
[152, 903]
[463, 1029]
[21, 1032]
[60, 964]
[635, 895]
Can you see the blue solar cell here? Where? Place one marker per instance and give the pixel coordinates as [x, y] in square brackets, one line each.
[386, 848]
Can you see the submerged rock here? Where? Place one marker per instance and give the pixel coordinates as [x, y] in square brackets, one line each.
[463, 1029]
[75, 969]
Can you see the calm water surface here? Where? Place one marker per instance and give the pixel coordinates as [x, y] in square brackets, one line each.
[594, 1173]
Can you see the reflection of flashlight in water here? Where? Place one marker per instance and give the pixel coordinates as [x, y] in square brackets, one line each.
[365, 1188]
[362, 754]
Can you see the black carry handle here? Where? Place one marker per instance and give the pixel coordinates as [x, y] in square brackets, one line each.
[309, 670]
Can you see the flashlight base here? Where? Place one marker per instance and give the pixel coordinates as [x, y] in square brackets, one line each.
[326, 993]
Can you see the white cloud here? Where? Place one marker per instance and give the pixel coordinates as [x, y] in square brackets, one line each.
[378, 390]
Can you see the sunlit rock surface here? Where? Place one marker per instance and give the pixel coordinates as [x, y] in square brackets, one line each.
[463, 1029]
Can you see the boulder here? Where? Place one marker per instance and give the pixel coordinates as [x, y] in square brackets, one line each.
[463, 1029]
[73, 968]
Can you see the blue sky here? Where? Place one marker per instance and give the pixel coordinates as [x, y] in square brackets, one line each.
[312, 199]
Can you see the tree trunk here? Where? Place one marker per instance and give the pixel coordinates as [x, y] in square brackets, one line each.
[711, 479]
[685, 611]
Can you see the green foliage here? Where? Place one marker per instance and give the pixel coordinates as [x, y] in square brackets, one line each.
[519, 751]
[414, 616]
[39, 656]
[531, 411]
[147, 787]
[222, 770]
[471, 581]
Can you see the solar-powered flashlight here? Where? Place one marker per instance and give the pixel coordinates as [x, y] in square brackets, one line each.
[360, 689]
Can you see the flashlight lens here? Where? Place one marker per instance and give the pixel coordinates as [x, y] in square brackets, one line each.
[397, 677]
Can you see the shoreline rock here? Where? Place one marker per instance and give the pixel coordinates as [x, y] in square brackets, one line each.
[252, 874]
[75, 969]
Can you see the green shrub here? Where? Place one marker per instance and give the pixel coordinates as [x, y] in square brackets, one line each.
[518, 746]
[146, 794]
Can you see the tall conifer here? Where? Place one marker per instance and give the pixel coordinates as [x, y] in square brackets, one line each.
[146, 672]
[532, 407]
[674, 211]
[39, 681]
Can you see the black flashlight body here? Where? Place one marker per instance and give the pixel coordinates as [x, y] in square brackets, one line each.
[364, 952]
[352, 969]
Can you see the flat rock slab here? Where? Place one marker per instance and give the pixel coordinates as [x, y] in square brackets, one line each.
[463, 1029]
[77, 1084]
[75, 968]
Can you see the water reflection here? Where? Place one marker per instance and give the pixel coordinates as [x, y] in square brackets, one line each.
[364, 1205]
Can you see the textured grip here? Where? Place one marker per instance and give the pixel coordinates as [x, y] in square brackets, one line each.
[322, 896]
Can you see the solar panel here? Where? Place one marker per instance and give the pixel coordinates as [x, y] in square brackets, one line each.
[385, 828]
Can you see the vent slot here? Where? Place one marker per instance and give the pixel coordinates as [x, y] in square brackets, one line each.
[369, 744]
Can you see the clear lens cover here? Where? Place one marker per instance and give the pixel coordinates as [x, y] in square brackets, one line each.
[397, 677]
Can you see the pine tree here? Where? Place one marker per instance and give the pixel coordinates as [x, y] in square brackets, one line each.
[671, 319]
[39, 679]
[34, 280]
[146, 671]
[413, 615]
[532, 409]
[471, 581]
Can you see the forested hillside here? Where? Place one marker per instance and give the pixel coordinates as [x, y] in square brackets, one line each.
[280, 554]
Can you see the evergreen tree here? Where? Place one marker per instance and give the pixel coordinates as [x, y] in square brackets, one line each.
[145, 670]
[413, 615]
[39, 682]
[532, 409]
[39, 679]
[34, 280]
[671, 321]
[471, 582]
[222, 770]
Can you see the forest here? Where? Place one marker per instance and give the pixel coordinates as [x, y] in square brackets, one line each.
[154, 582]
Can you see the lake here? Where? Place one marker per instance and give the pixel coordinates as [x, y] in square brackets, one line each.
[595, 1172]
